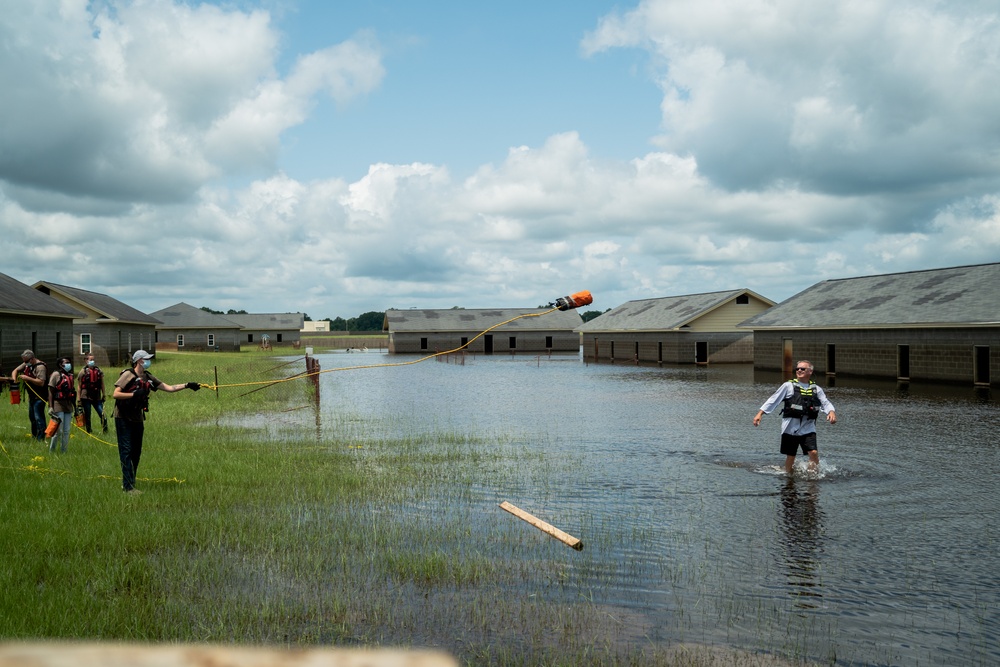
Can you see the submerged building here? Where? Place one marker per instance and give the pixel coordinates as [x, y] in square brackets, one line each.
[510, 330]
[688, 329]
[933, 325]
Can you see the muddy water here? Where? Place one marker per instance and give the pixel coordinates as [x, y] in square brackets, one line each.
[888, 556]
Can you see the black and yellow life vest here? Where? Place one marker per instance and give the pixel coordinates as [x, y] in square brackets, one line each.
[804, 403]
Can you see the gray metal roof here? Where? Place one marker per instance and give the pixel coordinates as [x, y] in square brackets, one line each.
[479, 319]
[269, 321]
[18, 299]
[109, 307]
[663, 313]
[957, 296]
[185, 316]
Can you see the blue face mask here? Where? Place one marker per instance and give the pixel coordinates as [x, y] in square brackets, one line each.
[67, 367]
[90, 362]
[146, 363]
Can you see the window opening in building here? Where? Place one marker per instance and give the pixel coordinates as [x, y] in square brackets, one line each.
[831, 359]
[743, 299]
[85, 344]
[423, 343]
[211, 340]
[488, 344]
[701, 352]
[279, 338]
[465, 341]
[659, 352]
[249, 338]
[180, 340]
[548, 342]
[512, 342]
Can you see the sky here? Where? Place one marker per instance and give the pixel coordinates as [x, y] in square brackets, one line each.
[335, 158]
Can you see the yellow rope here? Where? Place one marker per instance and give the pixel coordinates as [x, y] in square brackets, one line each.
[299, 376]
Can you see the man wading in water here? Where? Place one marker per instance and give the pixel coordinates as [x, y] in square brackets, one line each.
[804, 400]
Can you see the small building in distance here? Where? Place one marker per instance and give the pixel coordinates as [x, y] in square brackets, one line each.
[280, 329]
[317, 326]
[109, 329]
[688, 329]
[186, 328]
[33, 320]
[934, 325]
[421, 330]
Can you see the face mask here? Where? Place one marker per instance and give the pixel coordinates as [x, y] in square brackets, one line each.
[146, 363]
[67, 367]
[90, 362]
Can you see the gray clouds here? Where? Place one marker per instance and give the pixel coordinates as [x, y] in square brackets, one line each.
[799, 141]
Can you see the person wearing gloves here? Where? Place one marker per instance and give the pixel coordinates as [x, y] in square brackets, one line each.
[62, 402]
[131, 404]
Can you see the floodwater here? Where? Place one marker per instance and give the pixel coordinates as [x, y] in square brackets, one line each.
[888, 556]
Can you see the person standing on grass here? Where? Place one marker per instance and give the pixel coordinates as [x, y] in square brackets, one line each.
[32, 372]
[131, 404]
[803, 401]
[62, 402]
[91, 382]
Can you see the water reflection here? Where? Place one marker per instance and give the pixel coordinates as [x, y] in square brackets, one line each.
[802, 539]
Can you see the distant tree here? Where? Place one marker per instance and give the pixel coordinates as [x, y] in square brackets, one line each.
[370, 321]
[338, 324]
[591, 314]
[306, 318]
[214, 312]
[236, 312]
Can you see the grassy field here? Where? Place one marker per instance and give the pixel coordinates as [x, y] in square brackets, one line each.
[240, 538]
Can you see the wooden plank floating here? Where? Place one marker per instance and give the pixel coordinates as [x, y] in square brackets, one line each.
[565, 538]
[65, 654]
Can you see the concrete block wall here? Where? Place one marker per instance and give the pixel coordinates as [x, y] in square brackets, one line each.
[677, 348]
[53, 339]
[938, 355]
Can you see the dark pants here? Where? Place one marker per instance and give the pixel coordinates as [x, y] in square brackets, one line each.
[129, 449]
[36, 413]
[98, 406]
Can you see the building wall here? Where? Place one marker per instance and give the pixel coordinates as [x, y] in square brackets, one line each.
[196, 340]
[726, 317]
[53, 338]
[525, 342]
[252, 337]
[112, 343]
[937, 355]
[669, 347]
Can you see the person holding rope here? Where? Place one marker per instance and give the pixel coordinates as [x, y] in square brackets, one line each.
[131, 404]
[62, 402]
[32, 373]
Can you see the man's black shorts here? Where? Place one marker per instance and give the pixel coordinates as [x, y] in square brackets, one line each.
[790, 443]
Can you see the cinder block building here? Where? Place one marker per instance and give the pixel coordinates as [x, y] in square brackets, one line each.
[281, 329]
[939, 325]
[109, 329]
[534, 331]
[186, 328]
[32, 320]
[689, 329]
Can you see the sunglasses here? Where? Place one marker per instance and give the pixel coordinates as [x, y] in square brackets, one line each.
[802, 369]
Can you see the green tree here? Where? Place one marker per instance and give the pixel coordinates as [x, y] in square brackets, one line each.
[591, 314]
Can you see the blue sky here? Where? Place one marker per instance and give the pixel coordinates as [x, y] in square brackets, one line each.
[341, 157]
[465, 82]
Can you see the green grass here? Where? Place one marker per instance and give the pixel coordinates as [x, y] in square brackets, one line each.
[296, 541]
